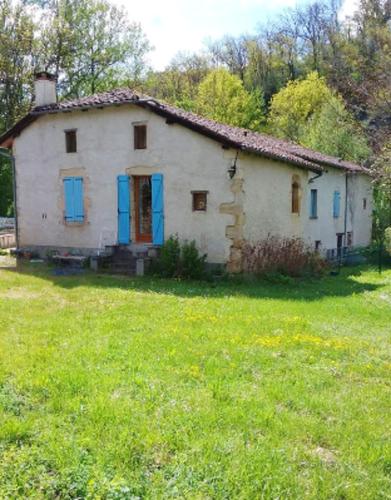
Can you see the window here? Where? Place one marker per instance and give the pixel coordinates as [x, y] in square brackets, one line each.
[364, 203]
[349, 239]
[318, 244]
[295, 197]
[199, 201]
[70, 141]
[73, 199]
[140, 137]
[314, 204]
[336, 204]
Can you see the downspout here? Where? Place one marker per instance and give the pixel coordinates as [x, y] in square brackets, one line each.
[312, 179]
[346, 209]
[6, 154]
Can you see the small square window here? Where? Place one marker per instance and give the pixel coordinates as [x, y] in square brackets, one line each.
[199, 201]
[70, 141]
[140, 137]
[318, 244]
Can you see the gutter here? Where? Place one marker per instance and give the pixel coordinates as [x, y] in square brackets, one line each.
[9, 156]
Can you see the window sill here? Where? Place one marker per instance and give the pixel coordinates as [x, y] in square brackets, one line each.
[74, 223]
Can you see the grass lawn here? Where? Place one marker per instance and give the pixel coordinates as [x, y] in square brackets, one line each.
[118, 388]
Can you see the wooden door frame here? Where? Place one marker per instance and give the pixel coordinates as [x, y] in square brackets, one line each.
[140, 238]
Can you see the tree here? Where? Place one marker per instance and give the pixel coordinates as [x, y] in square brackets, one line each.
[332, 130]
[310, 113]
[222, 97]
[232, 53]
[6, 191]
[91, 46]
[381, 171]
[178, 83]
[294, 105]
[16, 65]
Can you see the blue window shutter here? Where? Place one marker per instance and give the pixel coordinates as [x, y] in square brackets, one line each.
[336, 204]
[78, 202]
[68, 197]
[314, 203]
[123, 209]
[157, 210]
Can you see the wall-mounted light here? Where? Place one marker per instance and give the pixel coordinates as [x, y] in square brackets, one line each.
[232, 168]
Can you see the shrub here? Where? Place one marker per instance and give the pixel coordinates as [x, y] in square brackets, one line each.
[169, 260]
[387, 242]
[192, 264]
[285, 256]
[180, 260]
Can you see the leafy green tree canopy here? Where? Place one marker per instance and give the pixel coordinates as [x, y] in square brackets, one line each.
[333, 131]
[222, 97]
[310, 113]
[293, 106]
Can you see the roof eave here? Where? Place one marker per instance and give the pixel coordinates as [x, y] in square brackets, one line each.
[8, 137]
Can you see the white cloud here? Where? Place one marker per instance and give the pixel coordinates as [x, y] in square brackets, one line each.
[348, 8]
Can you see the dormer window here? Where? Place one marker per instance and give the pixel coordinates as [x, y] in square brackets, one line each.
[140, 136]
[70, 141]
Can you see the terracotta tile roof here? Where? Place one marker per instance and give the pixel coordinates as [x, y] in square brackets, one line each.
[239, 138]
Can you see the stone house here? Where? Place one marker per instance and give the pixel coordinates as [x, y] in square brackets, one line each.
[119, 168]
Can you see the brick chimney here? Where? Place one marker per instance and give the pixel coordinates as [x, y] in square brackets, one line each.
[45, 89]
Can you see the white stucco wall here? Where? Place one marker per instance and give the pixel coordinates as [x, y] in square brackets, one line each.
[188, 162]
[360, 187]
[268, 203]
[267, 198]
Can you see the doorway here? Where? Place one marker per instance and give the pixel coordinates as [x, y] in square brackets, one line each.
[143, 208]
[339, 244]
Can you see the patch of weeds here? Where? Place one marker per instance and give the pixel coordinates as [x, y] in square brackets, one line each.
[15, 431]
[278, 278]
[12, 401]
[24, 471]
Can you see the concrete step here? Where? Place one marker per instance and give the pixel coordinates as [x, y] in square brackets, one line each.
[122, 269]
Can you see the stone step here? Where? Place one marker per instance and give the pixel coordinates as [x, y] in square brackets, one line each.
[123, 269]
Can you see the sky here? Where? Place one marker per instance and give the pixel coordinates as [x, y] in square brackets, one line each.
[184, 25]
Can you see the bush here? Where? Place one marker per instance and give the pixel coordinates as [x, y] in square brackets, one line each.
[284, 256]
[371, 252]
[192, 264]
[180, 260]
[169, 261]
[387, 234]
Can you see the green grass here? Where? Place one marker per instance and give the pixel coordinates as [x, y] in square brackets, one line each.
[114, 388]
